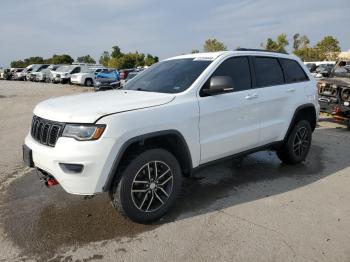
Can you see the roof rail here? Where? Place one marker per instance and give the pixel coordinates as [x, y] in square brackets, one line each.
[260, 50]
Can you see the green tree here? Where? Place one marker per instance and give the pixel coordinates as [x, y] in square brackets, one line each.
[308, 54]
[213, 45]
[150, 60]
[86, 59]
[195, 51]
[18, 64]
[61, 59]
[104, 58]
[328, 48]
[277, 45]
[116, 52]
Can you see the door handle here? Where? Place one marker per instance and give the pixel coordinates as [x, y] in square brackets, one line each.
[291, 90]
[250, 97]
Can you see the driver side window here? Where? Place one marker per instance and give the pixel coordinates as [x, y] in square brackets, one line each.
[238, 69]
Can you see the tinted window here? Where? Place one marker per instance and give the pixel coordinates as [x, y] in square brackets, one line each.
[268, 72]
[238, 69]
[76, 70]
[171, 76]
[293, 71]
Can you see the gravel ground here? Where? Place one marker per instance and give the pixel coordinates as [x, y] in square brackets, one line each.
[17, 101]
[253, 210]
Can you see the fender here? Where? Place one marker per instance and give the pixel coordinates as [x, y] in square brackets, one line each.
[141, 138]
[299, 108]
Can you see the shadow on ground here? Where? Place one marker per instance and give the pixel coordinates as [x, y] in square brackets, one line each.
[41, 220]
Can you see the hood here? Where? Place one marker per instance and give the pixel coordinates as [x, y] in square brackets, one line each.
[87, 108]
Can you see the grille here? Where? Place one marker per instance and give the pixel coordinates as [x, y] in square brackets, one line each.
[46, 132]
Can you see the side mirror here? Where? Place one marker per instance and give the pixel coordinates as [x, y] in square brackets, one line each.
[219, 85]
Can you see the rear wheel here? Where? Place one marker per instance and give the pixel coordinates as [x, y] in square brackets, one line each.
[149, 186]
[298, 144]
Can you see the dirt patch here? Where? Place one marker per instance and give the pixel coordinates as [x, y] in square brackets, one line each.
[42, 220]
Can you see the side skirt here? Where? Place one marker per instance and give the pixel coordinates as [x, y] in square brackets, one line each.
[273, 146]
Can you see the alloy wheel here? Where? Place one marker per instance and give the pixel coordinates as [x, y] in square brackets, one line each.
[301, 141]
[152, 186]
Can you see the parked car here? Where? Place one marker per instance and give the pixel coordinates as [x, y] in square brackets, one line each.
[87, 77]
[23, 74]
[131, 75]
[14, 72]
[5, 74]
[63, 74]
[124, 73]
[31, 76]
[179, 115]
[107, 80]
[334, 92]
[311, 66]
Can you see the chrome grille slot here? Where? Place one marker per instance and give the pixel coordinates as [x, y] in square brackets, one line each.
[46, 132]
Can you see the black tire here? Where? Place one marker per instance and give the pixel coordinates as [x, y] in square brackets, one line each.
[348, 125]
[89, 82]
[145, 206]
[297, 145]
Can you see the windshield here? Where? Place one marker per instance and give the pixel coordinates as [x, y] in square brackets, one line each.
[64, 69]
[171, 76]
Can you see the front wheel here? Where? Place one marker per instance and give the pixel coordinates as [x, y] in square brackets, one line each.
[88, 82]
[297, 146]
[149, 186]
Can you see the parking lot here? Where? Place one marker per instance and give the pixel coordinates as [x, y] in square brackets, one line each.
[252, 209]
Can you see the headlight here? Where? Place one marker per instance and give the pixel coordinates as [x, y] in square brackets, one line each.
[83, 132]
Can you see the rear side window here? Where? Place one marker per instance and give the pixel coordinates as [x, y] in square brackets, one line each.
[293, 71]
[268, 72]
[238, 69]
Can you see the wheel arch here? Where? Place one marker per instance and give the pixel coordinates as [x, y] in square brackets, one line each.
[303, 112]
[171, 140]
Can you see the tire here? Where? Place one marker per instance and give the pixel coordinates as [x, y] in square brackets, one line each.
[297, 146]
[145, 200]
[348, 124]
[88, 82]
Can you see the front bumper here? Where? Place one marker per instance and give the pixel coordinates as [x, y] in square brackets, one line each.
[95, 156]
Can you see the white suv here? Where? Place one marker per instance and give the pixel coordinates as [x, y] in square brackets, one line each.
[177, 116]
[87, 76]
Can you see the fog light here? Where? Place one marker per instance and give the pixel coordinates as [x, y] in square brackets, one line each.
[71, 168]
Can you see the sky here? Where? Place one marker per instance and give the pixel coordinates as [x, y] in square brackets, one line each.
[160, 27]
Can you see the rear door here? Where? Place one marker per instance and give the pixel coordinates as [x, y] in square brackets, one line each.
[229, 123]
[274, 98]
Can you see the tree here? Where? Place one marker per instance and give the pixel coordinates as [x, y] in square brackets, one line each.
[277, 45]
[116, 52]
[150, 60]
[194, 51]
[328, 48]
[308, 54]
[28, 61]
[213, 45]
[300, 41]
[61, 59]
[86, 59]
[104, 58]
[18, 64]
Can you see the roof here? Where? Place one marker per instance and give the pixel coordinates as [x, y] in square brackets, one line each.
[213, 55]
